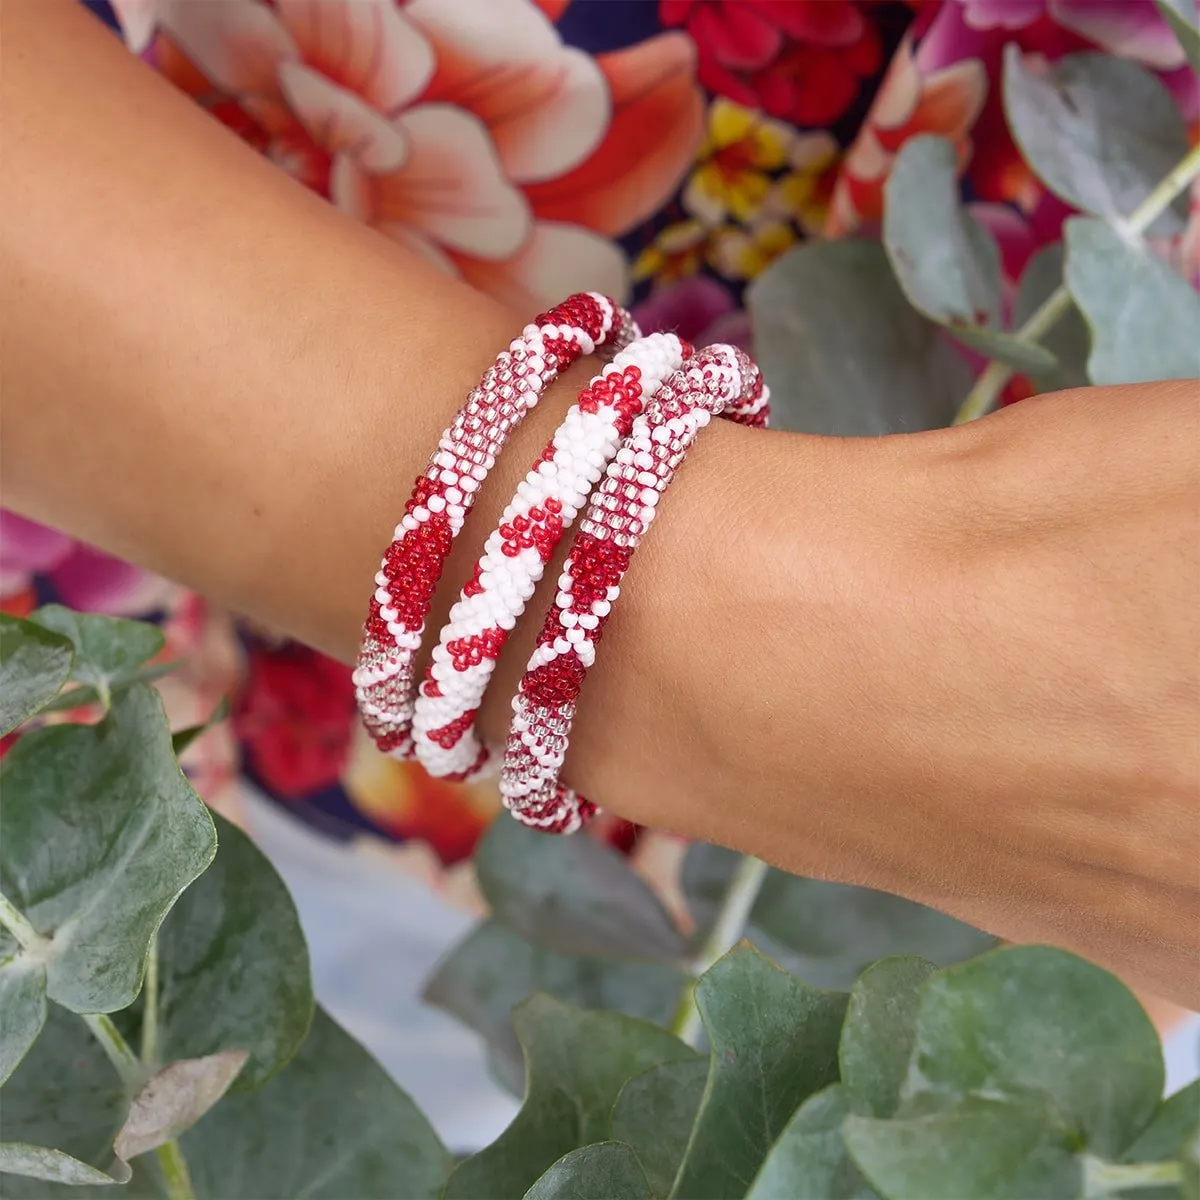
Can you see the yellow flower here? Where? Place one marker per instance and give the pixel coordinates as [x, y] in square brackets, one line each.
[740, 151]
[802, 195]
[744, 254]
[675, 253]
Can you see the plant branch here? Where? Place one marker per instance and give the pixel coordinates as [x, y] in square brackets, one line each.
[728, 926]
[119, 1051]
[15, 921]
[991, 382]
[150, 1007]
[1102, 1178]
[175, 1172]
[133, 1074]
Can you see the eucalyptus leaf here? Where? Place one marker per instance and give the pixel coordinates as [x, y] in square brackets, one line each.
[492, 970]
[654, 1115]
[1181, 15]
[1044, 1028]
[1176, 1122]
[233, 970]
[774, 1044]
[1099, 131]
[108, 651]
[42, 1162]
[603, 1171]
[810, 1159]
[881, 1030]
[843, 350]
[1069, 340]
[62, 1108]
[983, 1150]
[331, 1125]
[573, 895]
[34, 665]
[1144, 319]
[947, 263]
[99, 833]
[181, 739]
[569, 1095]
[174, 1099]
[827, 933]
[80, 695]
[22, 1008]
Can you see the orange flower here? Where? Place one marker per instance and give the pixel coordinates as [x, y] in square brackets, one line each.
[467, 132]
[946, 102]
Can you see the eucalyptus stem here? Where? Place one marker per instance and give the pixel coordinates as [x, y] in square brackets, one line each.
[150, 1007]
[175, 1172]
[1102, 1178]
[990, 383]
[732, 915]
[15, 921]
[119, 1051]
[133, 1074]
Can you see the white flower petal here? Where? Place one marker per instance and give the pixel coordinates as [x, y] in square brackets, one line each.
[369, 47]
[237, 44]
[340, 122]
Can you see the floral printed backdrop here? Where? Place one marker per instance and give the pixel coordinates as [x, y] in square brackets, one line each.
[665, 152]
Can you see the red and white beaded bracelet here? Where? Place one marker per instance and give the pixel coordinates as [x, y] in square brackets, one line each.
[515, 555]
[719, 380]
[444, 494]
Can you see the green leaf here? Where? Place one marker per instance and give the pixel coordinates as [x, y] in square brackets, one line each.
[233, 970]
[654, 1114]
[1100, 132]
[1177, 1120]
[569, 1094]
[573, 895]
[1069, 340]
[99, 833]
[774, 1044]
[108, 651]
[1046, 1027]
[22, 1008]
[947, 263]
[492, 970]
[174, 1099]
[80, 696]
[843, 350]
[604, 1171]
[181, 739]
[41, 1162]
[34, 665]
[1182, 18]
[880, 1031]
[984, 1150]
[810, 1158]
[62, 1107]
[828, 933]
[1144, 319]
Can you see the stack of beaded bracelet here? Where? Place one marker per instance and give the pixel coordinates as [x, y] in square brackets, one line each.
[515, 555]
[444, 494]
[719, 380]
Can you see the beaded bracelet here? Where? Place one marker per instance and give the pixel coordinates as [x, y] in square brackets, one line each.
[444, 494]
[720, 380]
[515, 555]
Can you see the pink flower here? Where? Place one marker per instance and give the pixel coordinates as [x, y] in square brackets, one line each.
[1131, 28]
[466, 131]
[83, 578]
[699, 309]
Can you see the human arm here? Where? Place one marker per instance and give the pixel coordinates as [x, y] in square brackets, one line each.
[960, 666]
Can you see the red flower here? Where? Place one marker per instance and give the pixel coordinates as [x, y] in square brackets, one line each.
[800, 60]
[295, 718]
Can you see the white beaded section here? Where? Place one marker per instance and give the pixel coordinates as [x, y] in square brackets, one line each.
[583, 446]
